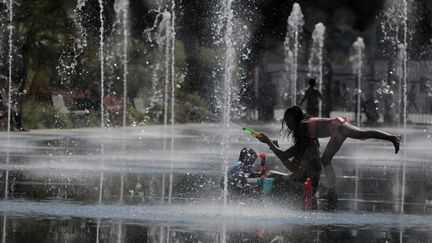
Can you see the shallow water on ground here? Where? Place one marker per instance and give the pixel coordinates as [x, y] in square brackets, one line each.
[113, 185]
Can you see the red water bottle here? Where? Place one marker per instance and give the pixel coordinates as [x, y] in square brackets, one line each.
[263, 169]
[307, 186]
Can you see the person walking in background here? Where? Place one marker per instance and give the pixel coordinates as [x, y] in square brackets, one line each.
[312, 96]
[412, 102]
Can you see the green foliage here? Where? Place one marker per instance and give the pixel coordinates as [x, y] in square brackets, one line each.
[134, 117]
[39, 115]
[44, 35]
[190, 107]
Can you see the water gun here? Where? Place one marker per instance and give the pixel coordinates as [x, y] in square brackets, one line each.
[307, 186]
[250, 131]
[263, 169]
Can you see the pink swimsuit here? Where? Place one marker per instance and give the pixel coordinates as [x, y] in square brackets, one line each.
[334, 125]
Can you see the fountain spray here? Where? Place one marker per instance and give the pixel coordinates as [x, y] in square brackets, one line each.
[315, 62]
[357, 64]
[356, 60]
[395, 21]
[102, 60]
[121, 8]
[10, 58]
[172, 36]
[227, 77]
[404, 92]
[102, 63]
[292, 44]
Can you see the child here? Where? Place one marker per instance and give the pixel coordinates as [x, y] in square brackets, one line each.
[312, 96]
[238, 172]
[305, 129]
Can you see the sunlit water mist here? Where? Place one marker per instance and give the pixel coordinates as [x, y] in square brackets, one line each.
[121, 8]
[121, 27]
[315, 62]
[156, 35]
[395, 29]
[225, 31]
[161, 34]
[102, 61]
[227, 90]
[102, 107]
[291, 46]
[10, 11]
[69, 62]
[404, 95]
[172, 37]
[357, 62]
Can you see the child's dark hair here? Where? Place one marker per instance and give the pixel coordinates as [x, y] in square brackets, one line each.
[298, 115]
[311, 81]
[247, 153]
[295, 112]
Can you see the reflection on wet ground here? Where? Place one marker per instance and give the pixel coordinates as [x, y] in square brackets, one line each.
[125, 185]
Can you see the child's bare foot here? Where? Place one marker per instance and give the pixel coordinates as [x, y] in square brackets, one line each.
[396, 142]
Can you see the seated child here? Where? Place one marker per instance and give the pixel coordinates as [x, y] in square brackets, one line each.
[238, 172]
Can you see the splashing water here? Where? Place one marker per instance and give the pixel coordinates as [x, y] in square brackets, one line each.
[80, 40]
[162, 33]
[356, 60]
[227, 77]
[395, 29]
[102, 85]
[68, 67]
[9, 100]
[172, 36]
[102, 60]
[121, 8]
[159, 35]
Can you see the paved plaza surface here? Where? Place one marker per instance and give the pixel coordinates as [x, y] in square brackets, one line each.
[154, 183]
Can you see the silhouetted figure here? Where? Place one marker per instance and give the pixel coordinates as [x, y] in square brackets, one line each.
[412, 102]
[337, 96]
[345, 97]
[312, 96]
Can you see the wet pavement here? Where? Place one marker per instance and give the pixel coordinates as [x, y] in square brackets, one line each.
[127, 185]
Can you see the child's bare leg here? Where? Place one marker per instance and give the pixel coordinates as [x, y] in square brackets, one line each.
[331, 149]
[352, 131]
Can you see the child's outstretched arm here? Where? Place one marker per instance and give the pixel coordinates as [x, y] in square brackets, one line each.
[282, 155]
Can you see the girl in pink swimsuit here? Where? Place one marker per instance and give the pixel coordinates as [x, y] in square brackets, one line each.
[333, 125]
[303, 128]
